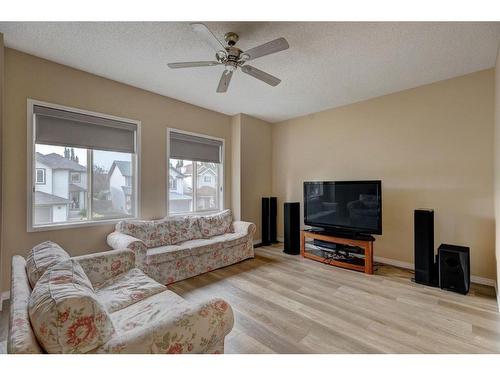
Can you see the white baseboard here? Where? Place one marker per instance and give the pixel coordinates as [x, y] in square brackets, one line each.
[257, 241]
[280, 239]
[410, 266]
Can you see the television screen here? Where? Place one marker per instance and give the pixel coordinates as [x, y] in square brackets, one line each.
[345, 205]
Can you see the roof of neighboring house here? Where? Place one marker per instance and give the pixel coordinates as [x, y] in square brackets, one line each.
[177, 172]
[56, 161]
[176, 196]
[188, 169]
[127, 190]
[73, 187]
[44, 199]
[123, 166]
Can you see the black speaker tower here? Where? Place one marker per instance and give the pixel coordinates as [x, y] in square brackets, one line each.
[273, 217]
[292, 228]
[268, 224]
[425, 268]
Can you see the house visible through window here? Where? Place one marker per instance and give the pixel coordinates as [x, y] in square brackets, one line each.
[195, 173]
[40, 176]
[81, 178]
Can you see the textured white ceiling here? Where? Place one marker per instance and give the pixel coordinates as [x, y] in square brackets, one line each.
[329, 64]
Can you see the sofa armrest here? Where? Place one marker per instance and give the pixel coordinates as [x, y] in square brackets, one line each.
[244, 227]
[102, 266]
[118, 240]
[200, 329]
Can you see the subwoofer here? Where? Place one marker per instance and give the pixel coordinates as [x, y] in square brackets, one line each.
[291, 214]
[425, 269]
[454, 268]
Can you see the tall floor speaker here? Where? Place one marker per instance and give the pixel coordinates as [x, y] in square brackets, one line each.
[425, 268]
[454, 268]
[265, 237]
[292, 228]
[273, 217]
[268, 224]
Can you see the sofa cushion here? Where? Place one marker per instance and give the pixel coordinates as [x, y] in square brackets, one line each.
[216, 224]
[178, 229]
[166, 231]
[231, 239]
[126, 289]
[170, 253]
[65, 313]
[146, 312]
[145, 230]
[43, 256]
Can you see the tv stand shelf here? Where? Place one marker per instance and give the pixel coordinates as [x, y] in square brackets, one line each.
[364, 264]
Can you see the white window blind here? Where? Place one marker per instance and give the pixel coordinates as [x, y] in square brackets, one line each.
[64, 128]
[191, 147]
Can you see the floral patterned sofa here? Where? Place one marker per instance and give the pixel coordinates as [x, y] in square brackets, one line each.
[179, 247]
[101, 303]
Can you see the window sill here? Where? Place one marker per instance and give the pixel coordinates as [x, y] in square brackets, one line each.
[90, 223]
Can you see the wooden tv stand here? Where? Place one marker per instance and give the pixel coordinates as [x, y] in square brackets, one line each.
[366, 245]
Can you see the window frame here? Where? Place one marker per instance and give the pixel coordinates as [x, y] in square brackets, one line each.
[44, 170]
[220, 177]
[31, 170]
[71, 181]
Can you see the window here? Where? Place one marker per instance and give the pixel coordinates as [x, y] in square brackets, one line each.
[75, 177]
[172, 183]
[195, 167]
[40, 176]
[88, 165]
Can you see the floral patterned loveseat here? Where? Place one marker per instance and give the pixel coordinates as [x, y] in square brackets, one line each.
[179, 247]
[101, 303]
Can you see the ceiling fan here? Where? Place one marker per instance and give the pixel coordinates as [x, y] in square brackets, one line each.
[232, 57]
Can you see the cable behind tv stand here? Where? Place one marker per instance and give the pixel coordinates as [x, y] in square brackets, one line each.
[362, 263]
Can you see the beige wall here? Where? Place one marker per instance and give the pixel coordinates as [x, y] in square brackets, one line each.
[2, 56]
[431, 146]
[236, 166]
[31, 77]
[255, 168]
[496, 141]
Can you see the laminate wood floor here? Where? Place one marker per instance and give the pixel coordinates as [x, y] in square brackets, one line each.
[287, 304]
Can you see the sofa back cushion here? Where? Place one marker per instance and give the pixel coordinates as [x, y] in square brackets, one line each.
[145, 230]
[216, 224]
[42, 257]
[65, 313]
[179, 229]
[163, 232]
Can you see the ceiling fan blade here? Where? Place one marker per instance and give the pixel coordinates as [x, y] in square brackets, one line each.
[273, 46]
[192, 64]
[204, 33]
[224, 80]
[259, 74]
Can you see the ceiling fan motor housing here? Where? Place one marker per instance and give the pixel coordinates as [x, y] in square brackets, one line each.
[231, 38]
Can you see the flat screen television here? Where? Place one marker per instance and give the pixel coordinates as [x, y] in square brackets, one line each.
[344, 206]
